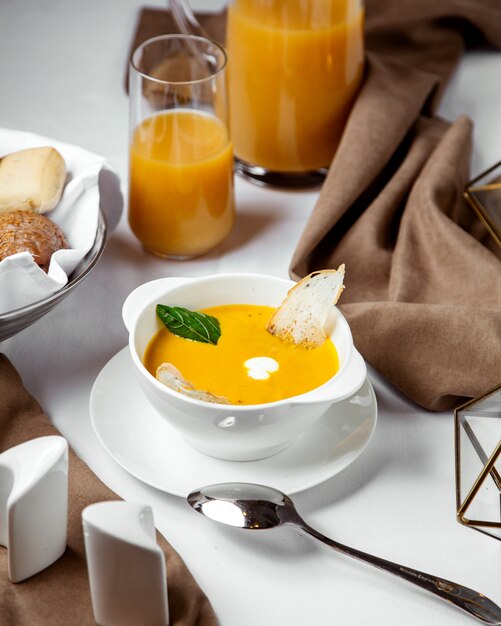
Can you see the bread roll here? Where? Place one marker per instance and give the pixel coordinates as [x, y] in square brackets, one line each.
[31, 180]
[22, 231]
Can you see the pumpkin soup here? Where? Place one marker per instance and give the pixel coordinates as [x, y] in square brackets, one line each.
[248, 365]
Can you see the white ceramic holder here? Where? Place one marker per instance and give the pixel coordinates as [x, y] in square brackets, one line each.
[34, 504]
[127, 573]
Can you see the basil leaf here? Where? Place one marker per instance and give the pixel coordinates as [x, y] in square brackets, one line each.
[190, 324]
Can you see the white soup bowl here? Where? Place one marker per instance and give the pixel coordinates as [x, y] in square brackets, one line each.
[234, 432]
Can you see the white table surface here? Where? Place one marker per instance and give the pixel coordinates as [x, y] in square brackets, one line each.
[61, 75]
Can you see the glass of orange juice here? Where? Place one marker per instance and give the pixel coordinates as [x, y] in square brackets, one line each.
[294, 70]
[181, 197]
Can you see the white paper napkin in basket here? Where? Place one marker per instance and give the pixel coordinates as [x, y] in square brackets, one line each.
[22, 282]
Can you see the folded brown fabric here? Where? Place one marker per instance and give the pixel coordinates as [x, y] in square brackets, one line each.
[423, 294]
[60, 595]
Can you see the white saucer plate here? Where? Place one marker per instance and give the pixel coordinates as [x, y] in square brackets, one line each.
[144, 444]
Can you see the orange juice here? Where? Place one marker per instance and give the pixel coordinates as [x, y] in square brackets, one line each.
[181, 183]
[294, 69]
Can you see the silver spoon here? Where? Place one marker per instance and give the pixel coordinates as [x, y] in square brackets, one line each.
[254, 507]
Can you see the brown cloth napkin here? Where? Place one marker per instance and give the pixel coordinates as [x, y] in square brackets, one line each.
[60, 595]
[423, 294]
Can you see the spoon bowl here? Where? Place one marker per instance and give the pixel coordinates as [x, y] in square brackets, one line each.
[259, 507]
[243, 505]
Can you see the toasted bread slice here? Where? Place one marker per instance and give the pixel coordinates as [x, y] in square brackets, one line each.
[170, 376]
[302, 316]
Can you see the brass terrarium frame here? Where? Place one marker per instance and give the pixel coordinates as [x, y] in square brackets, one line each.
[488, 462]
[483, 194]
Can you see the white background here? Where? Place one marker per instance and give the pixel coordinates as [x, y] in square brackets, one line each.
[62, 75]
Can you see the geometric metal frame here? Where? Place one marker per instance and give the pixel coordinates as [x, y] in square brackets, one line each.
[487, 469]
[481, 212]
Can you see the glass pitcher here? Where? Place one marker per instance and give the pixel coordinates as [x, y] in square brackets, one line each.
[294, 70]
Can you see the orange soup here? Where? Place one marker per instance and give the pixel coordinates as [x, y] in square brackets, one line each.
[181, 183]
[294, 69]
[248, 365]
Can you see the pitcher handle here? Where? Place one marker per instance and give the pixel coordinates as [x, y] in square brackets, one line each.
[185, 19]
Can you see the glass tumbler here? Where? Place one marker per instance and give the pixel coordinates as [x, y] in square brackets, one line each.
[181, 196]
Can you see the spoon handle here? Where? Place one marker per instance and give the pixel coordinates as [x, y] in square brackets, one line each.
[473, 602]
